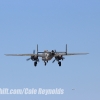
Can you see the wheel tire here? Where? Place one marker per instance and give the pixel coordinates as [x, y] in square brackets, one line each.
[59, 63]
[35, 64]
[45, 63]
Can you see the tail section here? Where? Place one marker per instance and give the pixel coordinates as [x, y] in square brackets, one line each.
[66, 49]
[37, 49]
[65, 52]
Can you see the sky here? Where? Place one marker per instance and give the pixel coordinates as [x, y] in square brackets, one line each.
[51, 24]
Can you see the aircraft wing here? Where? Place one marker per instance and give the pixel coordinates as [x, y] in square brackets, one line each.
[70, 54]
[39, 55]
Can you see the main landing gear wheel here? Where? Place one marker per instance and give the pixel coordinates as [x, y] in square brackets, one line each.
[59, 63]
[45, 63]
[35, 63]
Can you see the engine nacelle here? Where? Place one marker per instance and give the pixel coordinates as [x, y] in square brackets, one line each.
[34, 58]
[59, 57]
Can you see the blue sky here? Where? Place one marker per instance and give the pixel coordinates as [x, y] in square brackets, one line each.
[51, 24]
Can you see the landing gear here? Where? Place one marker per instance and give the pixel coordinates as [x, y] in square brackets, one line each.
[59, 63]
[45, 63]
[35, 63]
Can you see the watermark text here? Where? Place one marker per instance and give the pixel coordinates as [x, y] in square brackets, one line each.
[33, 91]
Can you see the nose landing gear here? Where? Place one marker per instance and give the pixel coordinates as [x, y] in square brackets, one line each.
[45, 62]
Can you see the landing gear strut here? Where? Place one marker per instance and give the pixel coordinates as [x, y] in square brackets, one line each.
[59, 63]
[45, 63]
[35, 63]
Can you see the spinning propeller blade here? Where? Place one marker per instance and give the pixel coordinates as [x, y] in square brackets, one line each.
[28, 59]
[53, 61]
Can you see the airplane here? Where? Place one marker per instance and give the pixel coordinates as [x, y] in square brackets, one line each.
[47, 55]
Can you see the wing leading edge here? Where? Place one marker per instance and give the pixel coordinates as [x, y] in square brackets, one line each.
[39, 55]
[70, 54]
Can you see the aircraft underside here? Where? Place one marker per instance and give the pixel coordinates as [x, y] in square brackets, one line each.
[45, 63]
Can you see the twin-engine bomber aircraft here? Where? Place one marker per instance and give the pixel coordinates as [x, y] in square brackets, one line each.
[47, 55]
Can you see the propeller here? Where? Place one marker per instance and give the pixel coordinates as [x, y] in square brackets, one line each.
[30, 57]
[62, 58]
[53, 61]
